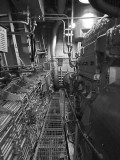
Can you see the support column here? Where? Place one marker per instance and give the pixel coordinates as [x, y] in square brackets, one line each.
[14, 40]
[6, 64]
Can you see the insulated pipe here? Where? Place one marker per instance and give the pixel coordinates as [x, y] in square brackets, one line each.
[69, 54]
[54, 40]
[63, 15]
[61, 8]
[63, 33]
[53, 54]
[106, 7]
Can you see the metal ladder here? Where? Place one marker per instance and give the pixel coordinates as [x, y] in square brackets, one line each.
[61, 74]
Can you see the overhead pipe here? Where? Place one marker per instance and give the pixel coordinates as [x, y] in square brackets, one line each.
[62, 16]
[71, 63]
[3, 15]
[62, 19]
[61, 8]
[22, 22]
[68, 18]
[55, 18]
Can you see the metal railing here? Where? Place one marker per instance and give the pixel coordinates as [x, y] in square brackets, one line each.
[83, 134]
[52, 144]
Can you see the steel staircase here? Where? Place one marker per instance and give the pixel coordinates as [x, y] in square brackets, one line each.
[61, 75]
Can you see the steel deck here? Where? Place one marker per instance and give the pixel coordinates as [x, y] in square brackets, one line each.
[52, 144]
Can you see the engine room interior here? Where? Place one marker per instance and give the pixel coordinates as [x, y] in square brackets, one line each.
[59, 80]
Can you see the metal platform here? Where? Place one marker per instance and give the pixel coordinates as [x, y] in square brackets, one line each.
[52, 144]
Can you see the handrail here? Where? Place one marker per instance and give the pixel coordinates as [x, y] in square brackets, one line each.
[64, 18]
[84, 135]
[22, 22]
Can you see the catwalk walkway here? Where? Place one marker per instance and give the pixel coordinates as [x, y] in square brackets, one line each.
[51, 145]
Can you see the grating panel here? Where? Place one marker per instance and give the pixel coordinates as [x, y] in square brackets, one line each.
[52, 154]
[3, 39]
[53, 124]
[52, 145]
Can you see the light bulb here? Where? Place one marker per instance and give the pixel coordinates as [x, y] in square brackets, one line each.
[84, 1]
[72, 26]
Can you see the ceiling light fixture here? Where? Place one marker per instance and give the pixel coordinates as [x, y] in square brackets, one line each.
[88, 22]
[84, 1]
[72, 26]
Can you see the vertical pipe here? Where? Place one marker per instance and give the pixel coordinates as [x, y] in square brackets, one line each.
[76, 142]
[43, 43]
[64, 37]
[64, 106]
[72, 15]
[54, 40]
[33, 49]
[53, 55]
[61, 8]
[101, 5]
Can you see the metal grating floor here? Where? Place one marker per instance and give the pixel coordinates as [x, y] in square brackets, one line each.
[52, 144]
